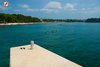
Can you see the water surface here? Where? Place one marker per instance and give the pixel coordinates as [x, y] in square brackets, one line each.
[78, 42]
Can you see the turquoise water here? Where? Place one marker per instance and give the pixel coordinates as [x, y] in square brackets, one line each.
[78, 42]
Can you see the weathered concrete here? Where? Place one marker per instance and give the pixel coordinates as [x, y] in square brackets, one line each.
[38, 57]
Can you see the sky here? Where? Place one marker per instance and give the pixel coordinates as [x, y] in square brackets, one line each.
[55, 9]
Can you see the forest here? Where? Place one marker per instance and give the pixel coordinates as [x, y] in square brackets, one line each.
[19, 18]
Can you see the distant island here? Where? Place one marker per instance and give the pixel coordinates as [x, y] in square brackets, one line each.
[19, 18]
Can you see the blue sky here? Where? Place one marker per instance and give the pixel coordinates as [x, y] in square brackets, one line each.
[69, 9]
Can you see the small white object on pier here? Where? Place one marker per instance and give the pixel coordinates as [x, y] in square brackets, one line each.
[38, 57]
[32, 44]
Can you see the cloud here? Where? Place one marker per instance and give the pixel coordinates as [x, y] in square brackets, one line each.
[92, 10]
[17, 10]
[50, 7]
[56, 7]
[50, 10]
[53, 5]
[30, 9]
[24, 6]
[3, 8]
[69, 6]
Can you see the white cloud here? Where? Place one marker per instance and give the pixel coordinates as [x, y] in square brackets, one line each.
[30, 9]
[24, 6]
[69, 6]
[3, 8]
[17, 10]
[53, 5]
[50, 7]
[92, 10]
[50, 10]
[83, 9]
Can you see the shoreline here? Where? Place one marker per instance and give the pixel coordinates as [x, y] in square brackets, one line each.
[4, 24]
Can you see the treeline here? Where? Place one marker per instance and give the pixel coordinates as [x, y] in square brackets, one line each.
[19, 18]
[62, 20]
[93, 20]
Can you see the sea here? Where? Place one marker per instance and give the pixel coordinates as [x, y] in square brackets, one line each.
[77, 41]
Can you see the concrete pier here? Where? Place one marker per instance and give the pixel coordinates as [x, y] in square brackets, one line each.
[23, 56]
